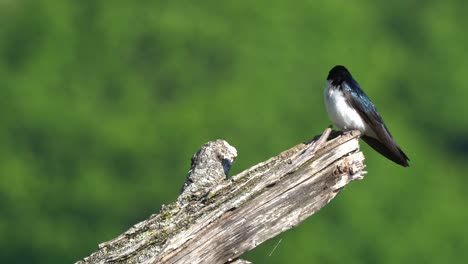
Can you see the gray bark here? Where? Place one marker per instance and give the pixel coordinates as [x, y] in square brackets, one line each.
[216, 219]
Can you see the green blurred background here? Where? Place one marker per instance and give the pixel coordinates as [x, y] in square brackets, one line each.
[104, 102]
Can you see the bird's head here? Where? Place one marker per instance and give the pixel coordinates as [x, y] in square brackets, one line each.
[338, 75]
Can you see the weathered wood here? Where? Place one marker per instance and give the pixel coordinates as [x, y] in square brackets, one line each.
[216, 219]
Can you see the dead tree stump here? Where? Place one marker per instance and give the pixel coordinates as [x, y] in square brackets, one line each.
[218, 218]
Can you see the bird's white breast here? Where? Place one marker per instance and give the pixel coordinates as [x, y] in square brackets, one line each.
[341, 113]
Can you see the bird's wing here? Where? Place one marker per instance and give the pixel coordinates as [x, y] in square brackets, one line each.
[383, 141]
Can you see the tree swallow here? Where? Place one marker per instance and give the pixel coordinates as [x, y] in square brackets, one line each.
[351, 109]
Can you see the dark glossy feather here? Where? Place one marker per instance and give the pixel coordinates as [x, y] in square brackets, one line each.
[399, 158]
[384, 142]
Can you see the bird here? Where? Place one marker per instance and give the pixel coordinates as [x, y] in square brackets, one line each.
[350, 108]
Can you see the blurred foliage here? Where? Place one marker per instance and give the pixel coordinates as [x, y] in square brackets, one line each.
[104, 102]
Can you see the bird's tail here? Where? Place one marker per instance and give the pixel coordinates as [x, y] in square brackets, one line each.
[397, 155]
